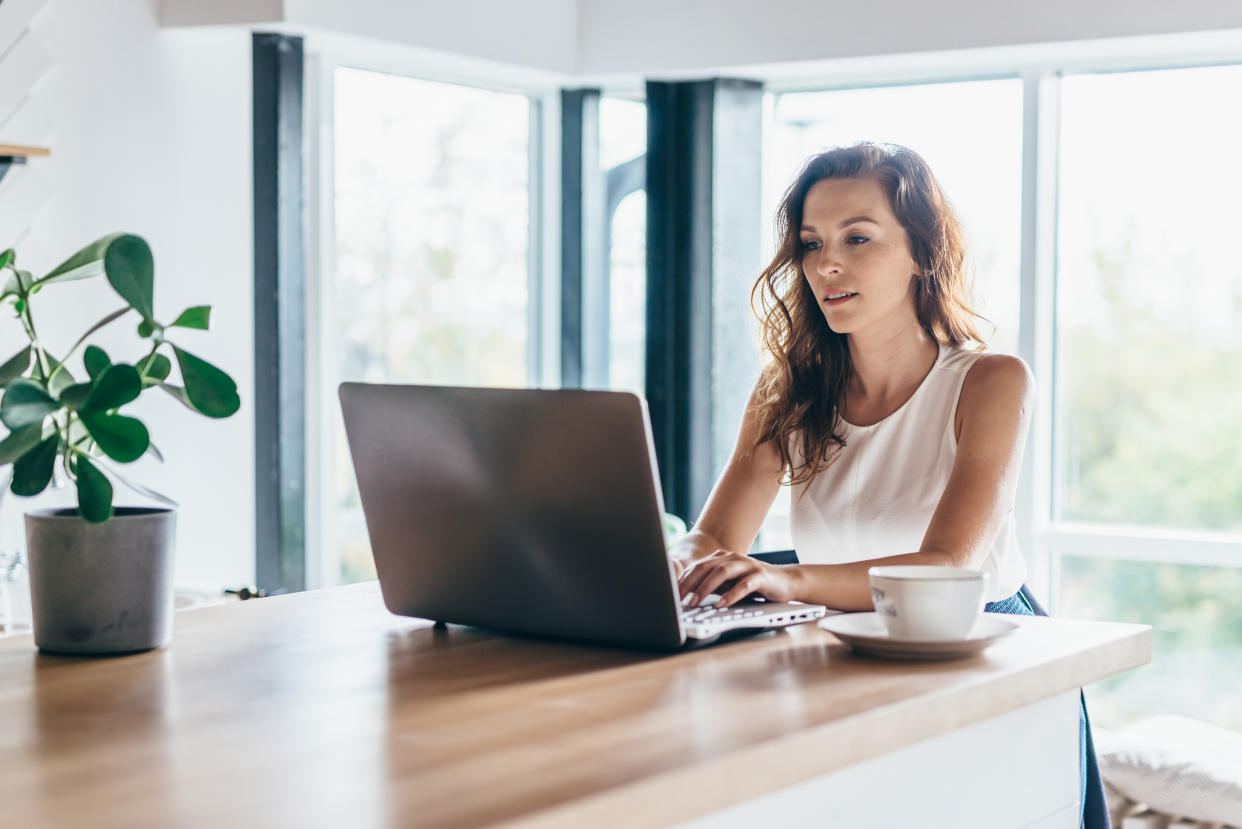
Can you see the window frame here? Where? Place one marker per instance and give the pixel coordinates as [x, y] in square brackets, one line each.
[1040, 67]
[1055, 537]
[1042, 538]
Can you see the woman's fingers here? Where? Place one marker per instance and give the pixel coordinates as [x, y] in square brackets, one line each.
[682, 568]
[717, 575]
[691, 578]
[751, 583]
[696, 569]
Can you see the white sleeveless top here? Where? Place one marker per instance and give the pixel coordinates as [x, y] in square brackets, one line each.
[878, 496]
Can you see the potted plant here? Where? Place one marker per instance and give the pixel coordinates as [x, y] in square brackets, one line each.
[100, 576]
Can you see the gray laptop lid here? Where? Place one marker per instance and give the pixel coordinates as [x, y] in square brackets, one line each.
[525, 509]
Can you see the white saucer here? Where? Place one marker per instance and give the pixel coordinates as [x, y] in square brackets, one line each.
[865, 633]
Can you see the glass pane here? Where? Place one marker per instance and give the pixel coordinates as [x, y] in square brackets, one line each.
[622, 131]
[627, 308]
[1196, 624]
[431, 221]
[970, 133]
[1149, 299]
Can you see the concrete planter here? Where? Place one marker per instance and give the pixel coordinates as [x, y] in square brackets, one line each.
[101, 588]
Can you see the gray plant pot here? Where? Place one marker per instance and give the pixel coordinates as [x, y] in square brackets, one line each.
[101, 588]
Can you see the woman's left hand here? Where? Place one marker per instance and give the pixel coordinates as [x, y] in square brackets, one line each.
[746, 575]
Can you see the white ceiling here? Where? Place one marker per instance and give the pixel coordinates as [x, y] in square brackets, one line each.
[591, 39]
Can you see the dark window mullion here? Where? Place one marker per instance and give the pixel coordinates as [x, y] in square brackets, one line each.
[279, 313]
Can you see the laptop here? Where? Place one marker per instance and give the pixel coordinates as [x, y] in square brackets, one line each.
[529, 510]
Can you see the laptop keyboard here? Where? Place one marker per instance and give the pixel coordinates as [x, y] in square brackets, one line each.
[724, 614]
[707, 619]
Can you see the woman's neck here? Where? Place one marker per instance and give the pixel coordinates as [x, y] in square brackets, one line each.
[889, 365]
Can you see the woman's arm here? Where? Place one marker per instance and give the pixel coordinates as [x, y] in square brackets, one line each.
[738, 502]
[993, 414]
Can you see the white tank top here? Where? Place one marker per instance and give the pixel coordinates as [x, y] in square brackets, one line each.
[878, 496]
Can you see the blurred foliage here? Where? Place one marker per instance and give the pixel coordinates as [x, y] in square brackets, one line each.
[1150, 403]
[1196, 637]
[1151, 408]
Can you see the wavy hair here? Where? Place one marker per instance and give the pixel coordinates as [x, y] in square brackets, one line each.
[807, 364]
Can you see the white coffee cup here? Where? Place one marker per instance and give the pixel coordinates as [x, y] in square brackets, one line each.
[926, 602]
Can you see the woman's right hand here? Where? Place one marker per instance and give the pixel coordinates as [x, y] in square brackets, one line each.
[693, 548]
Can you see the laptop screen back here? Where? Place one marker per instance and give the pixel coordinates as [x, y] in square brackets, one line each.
[530, 510]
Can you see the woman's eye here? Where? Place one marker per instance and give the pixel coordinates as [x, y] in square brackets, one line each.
[810, 245]
[861, 240]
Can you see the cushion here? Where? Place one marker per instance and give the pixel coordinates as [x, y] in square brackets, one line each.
[1176, 765]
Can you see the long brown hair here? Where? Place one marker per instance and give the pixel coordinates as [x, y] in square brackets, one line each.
[808, 365]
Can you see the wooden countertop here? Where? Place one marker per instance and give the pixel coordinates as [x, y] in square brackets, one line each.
[321, 708]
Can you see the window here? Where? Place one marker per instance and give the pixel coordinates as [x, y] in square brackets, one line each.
[1149, 301]
[623, 141]
[1148, 452]
[1135, 502]
[431, 215]
[970, 133]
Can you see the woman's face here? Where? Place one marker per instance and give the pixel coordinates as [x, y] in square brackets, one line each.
[856, 257]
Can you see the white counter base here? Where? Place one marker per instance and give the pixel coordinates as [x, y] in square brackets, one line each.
[1019, 769]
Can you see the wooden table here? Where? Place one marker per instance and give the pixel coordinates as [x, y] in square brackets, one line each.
[322, 709]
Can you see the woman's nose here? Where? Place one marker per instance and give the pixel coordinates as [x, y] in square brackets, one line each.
[826, 263]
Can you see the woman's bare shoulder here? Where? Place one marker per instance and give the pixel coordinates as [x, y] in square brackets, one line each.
[992, 368]
[996, 380]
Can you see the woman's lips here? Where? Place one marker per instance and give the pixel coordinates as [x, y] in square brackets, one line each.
[838, 297]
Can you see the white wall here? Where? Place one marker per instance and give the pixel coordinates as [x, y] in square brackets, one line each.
[150, 133]
[537, 34]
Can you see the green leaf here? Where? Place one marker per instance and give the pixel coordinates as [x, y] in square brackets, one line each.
[94, 492]
[7, 258]
[121, 438]
[18, 283]
[158, 370]
[15, 366]
[20, 441]
[74, 396]
[33, 470]
[148, 328]
[131, 272]
[197, 317]
[110, 318]
[85, 263]
[178, 394]
[77, 432]
[96, 360]
[209, 389]
[62, 378]
[116, 386]
[25, 403]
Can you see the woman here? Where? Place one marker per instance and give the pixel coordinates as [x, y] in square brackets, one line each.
[901, 437]
[902, 445]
